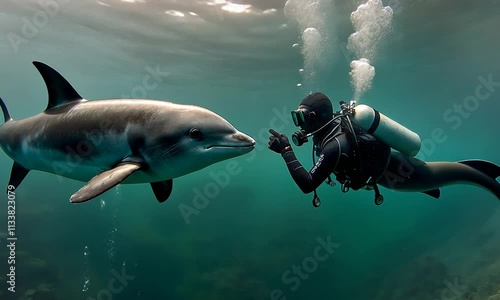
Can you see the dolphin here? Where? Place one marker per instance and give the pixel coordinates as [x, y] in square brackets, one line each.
[112, 141]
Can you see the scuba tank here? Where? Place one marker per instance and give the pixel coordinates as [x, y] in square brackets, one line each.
[387, 130]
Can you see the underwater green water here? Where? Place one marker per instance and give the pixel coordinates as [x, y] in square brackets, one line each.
[244, 242]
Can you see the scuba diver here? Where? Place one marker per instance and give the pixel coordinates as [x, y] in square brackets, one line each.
[356, 145]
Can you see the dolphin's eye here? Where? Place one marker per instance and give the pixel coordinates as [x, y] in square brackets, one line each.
[196, 134]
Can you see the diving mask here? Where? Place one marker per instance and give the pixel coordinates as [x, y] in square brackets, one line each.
[301, 115]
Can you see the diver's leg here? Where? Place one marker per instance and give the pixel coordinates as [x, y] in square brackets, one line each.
[410, 174]
[401, 172]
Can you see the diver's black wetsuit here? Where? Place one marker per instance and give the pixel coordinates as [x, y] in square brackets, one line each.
[329, 159]
[338, 156]
[359, 160]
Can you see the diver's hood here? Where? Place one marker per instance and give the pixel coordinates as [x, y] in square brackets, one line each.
[322, 107]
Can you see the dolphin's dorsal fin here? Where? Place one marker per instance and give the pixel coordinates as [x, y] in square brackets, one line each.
[59, 89]
[5, 111]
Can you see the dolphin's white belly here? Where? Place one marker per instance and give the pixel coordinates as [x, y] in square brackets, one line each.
[72, 165]
[75, 164]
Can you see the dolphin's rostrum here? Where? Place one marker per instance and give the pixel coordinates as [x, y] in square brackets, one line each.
[107, 142]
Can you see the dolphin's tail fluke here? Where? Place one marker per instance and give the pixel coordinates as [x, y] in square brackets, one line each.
[5, 111]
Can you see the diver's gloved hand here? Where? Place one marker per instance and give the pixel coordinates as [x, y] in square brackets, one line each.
[278, 142]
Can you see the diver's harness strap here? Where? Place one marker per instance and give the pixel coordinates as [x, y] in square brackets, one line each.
[343, 115]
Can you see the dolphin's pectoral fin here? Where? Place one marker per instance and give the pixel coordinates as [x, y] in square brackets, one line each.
[433, 193]
[17, 175]
[484, 166]
[162, 189]
[103, 182]
[60, 90]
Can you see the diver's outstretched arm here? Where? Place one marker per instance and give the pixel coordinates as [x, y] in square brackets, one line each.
[413, 175]
[307, 181]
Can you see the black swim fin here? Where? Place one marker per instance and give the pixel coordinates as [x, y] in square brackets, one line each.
[433, 193]
[488, 168]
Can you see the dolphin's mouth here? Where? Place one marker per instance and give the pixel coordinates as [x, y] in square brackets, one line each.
[230, 146]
